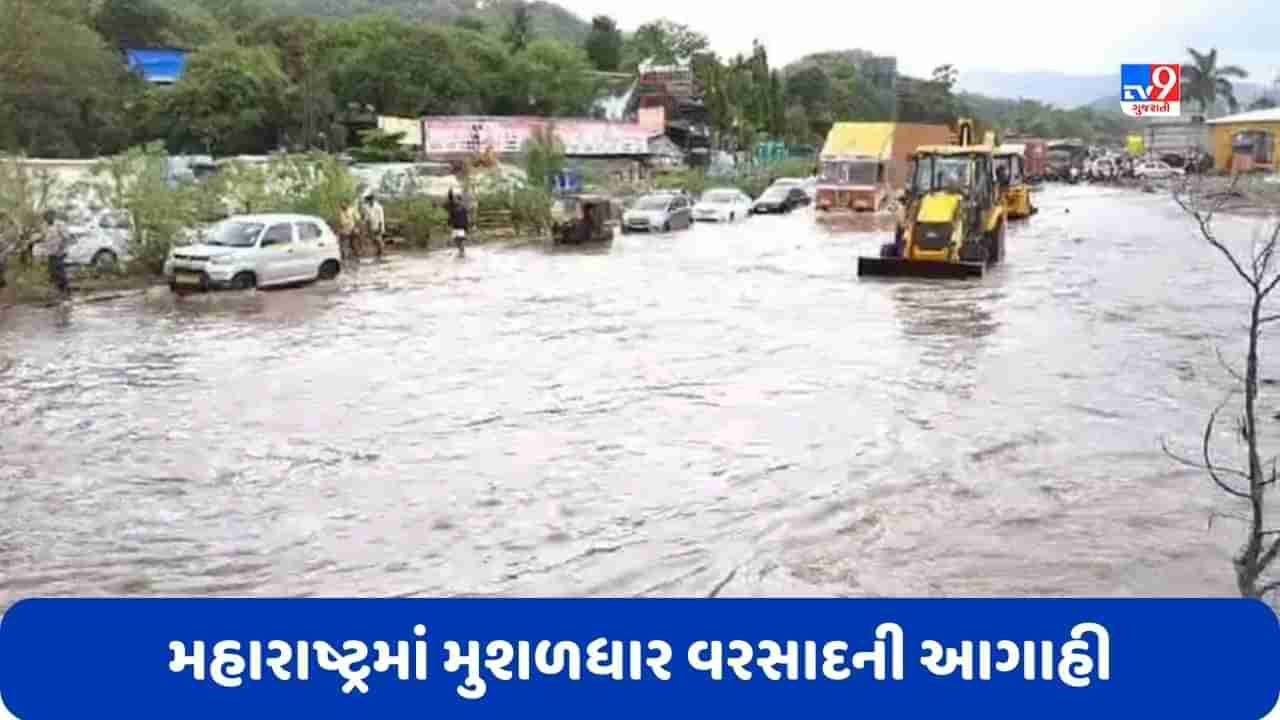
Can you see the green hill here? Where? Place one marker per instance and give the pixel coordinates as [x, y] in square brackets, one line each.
[548, 18]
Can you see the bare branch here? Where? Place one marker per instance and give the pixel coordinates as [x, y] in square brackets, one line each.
[1225, 516]
[1226, 366]
[1266, 589]
[1265, 561]
[1268, 319]
[1196, 465]
[1208, 460]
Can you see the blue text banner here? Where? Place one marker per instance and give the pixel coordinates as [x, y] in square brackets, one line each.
[230, 658]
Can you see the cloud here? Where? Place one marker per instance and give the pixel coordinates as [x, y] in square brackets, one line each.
[1085, 37]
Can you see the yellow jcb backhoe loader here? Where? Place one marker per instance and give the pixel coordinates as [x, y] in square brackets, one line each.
[952, 224]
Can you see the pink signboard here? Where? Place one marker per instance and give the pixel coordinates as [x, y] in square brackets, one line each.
[507, 135]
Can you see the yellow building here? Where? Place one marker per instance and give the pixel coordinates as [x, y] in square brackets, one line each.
[1247, 141]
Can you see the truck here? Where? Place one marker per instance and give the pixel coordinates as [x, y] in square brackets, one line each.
[863, 162]
[1175, 140]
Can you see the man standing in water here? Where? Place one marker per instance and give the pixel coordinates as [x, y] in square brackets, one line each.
[56, 242]
[375, 222]
[458, 221]
[347, 231]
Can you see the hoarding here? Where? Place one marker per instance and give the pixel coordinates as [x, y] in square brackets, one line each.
[411, 129]
[508, 135]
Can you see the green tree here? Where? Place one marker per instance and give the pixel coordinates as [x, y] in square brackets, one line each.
[1206, 82]
[63, 92]
[665, 43]
[554, 79]
[134, 23]
[472, 23]
[604, 44]
[543, 157]
[520, 28]
[810, 88]
[230, 99]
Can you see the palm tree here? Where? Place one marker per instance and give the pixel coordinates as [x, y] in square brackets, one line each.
[1205, 82]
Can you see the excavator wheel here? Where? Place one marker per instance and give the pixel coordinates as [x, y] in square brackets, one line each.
[974, 252]
[995, 244]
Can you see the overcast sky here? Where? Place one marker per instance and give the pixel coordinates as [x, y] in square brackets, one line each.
[1078, 37]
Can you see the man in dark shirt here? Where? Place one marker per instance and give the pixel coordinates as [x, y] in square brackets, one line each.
[458, 222]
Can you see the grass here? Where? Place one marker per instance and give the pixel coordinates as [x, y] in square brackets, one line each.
[30, 285]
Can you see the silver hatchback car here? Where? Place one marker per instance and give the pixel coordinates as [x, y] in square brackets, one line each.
[659, 212]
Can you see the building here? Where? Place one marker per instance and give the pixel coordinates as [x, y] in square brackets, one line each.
[158, 66]
[1246, 141]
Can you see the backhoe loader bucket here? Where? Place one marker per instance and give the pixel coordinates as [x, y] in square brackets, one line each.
[897, 267]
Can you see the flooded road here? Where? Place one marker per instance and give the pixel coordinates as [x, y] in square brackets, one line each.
[725, 411]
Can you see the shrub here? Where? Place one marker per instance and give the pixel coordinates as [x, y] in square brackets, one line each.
[137, 182]
[418, 218]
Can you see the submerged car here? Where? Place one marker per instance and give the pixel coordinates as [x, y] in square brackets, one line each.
[249, 251]
[780, 200]
[725, 205]
[659, 212]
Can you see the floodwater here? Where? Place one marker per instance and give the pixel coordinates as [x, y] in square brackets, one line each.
[726, 411]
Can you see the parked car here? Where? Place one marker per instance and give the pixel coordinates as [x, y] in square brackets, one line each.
[659, 212]
[780, 200]
[725, 205]
[99, 239]
[248, 251]
[1157, 170]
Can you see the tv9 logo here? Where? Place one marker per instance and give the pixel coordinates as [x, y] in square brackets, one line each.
[1151, 90]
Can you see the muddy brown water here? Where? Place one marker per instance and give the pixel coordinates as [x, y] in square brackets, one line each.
[725, 411]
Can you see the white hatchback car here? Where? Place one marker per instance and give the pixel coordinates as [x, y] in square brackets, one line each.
[724, 205]
[248, 251]
[1157, 170]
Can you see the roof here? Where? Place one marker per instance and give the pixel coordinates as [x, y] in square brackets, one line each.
[157, 65]
[1256, 116]
[874, 139]
[955, 149]
[266, 218]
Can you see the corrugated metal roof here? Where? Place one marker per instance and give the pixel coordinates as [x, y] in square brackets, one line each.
[871, 138]
[1270, 115]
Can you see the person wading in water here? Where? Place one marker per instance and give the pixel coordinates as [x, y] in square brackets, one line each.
[56, 243]
[458, 221]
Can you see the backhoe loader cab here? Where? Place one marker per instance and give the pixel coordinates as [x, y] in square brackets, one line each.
[952, 222]
[1011, 182]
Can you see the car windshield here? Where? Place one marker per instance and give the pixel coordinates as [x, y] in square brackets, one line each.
[774, 194]
[656, 202]
[234, 233]
[718, 198]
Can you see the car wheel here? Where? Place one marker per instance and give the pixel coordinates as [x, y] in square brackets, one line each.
[666, 227]
[244, 281]
[732, 217]
[105, 261]
[330, 269]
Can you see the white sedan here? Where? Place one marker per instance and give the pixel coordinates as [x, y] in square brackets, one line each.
[1157, 170]
[727, 205]
[249, 251]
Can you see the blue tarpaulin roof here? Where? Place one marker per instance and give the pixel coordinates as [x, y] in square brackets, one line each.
[157, 66]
